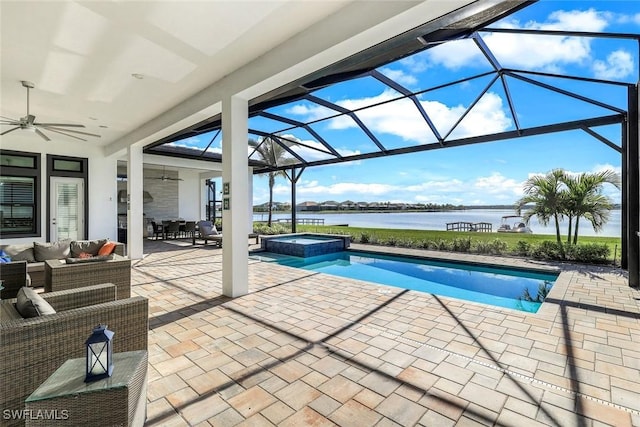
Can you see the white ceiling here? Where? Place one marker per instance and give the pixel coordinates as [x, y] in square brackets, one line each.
[81, 55]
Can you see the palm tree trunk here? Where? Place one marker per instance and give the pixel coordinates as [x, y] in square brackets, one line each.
[575, 236]
[569, 232]
[558, 238]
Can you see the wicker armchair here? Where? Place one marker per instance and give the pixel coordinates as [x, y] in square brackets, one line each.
[60, 276]
[14, 276]
[32, 349]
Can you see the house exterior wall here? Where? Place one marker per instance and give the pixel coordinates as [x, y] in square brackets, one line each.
[102, 187]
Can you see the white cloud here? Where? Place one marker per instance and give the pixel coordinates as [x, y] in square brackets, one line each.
[399, 76]
[401, 118]
[542, 52]
[618, 65]
[497, 184]
[487, 189]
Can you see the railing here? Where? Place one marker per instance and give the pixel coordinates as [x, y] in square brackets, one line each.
[302, 221]
[484, 227]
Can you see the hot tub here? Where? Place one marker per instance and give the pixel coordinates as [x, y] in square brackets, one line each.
[305, 244]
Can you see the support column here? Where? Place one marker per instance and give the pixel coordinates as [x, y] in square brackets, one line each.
[250, 197]
[633, 188]
[235, 257]
[135, 220]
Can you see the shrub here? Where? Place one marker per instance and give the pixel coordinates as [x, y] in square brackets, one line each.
[461, 244]
[364, 238]
[588, 252]
[522, 248]
[548, 250]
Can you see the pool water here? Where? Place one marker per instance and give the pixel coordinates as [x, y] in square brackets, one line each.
[503, 287]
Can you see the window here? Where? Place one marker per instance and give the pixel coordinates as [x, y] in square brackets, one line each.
[19, 194]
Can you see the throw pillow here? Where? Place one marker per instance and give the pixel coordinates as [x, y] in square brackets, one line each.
[30, 304]
[20, 252]
[55, 250]
[4, 257]
[87, 246]
[107, 248]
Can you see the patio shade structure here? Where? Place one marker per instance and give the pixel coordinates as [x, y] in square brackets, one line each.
[304, 119]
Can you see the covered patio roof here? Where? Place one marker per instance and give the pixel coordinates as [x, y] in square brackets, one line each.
[316, 129]
[339, 114]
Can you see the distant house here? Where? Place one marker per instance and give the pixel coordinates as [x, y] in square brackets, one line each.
[329, 205]
[348, 205]
[307, 207]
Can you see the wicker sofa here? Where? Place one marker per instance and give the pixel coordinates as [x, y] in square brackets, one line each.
[35, 264]
[59, 276]
[14, 276]
[32, 349]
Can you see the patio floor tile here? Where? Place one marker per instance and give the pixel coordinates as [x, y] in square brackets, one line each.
[310, 349]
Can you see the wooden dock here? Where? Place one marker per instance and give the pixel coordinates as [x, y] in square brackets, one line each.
[482, 227]
[303, 221]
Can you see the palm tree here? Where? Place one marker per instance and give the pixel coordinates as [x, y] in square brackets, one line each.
[272, 153]
[548, 196]
[585, 199]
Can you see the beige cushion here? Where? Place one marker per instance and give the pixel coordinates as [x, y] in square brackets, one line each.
[22, 252]
[86, 246]
[55, 250]
[30, 304]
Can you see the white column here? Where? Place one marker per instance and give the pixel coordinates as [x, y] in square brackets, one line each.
[250, 197]
[135, 221]
[235, 256]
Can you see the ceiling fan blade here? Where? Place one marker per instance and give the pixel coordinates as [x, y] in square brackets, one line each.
[69, 130]
[9, 122]
[10, 130]
[42, 135]
[66, 125]
[66, 134]
[8, 118]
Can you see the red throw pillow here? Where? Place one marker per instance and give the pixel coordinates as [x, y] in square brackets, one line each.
[107, 248]
[84, 255]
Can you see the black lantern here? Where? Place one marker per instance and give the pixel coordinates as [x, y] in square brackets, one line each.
[99, 354]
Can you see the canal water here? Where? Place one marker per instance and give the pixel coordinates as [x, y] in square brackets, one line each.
[438, 220]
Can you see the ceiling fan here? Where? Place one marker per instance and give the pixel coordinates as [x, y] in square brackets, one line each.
[165, 177]
[29, 123]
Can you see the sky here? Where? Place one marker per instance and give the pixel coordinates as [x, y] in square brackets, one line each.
[478, 174]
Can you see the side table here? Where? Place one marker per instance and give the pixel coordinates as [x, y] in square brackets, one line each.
[65, 399]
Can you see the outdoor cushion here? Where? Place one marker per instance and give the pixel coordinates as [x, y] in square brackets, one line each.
[107, 248]
[86, 246]
[80, 260]
[30, 304]
[55, 250]
[207, 229]
[20, 252]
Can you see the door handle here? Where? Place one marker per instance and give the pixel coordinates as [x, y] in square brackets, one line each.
[53, 221]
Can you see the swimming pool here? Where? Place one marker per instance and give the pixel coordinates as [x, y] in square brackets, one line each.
[503, 287]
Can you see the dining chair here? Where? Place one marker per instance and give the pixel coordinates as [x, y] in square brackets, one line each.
[173, 228]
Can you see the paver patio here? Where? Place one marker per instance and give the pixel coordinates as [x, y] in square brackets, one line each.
[304, 348]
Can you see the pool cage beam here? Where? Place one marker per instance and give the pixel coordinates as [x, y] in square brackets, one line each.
[631, 191]
[293, 177]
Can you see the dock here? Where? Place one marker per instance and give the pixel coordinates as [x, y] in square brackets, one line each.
[482, 227]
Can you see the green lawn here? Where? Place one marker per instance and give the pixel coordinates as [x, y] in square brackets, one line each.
[401, 236]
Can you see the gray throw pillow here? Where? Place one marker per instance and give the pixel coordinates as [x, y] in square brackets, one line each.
[55, 250]
[207, 228]
[30, 304]
[86, 246]
[20, 252]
